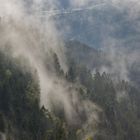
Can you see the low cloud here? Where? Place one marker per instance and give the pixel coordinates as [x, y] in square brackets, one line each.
[32, 37]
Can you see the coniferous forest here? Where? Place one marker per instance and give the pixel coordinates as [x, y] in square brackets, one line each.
[21, 116]
[69, 70]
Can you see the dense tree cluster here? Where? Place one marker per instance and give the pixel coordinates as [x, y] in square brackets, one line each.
[22, 118]
[119, 100]
[20, 115]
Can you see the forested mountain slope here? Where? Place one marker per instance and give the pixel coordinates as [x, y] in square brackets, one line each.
[53, 86]
[22, 117]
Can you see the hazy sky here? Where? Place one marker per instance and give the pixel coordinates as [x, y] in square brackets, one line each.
[83, 20]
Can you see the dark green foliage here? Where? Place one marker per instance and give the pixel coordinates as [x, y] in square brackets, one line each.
[120, 102]
[2, 123]
[71, 74]
[57, 66]
[21, 117]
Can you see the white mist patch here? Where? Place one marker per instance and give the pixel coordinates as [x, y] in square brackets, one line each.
[118, 64]
[27, 36]
[32, 37]
[2, 136]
